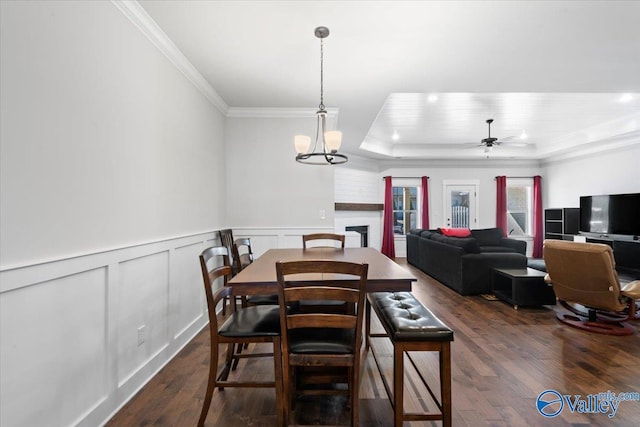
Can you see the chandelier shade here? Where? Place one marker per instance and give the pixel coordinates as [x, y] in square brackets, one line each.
[327, 143]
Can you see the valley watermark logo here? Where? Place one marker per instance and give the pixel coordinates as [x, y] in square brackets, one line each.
[550, 403]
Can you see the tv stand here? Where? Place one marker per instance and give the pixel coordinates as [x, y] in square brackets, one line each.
[626, 250]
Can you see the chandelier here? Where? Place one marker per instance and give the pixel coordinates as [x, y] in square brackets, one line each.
[325, 149]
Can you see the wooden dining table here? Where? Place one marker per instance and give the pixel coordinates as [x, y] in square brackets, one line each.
[384, 275]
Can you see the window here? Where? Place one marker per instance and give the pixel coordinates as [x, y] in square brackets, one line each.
[520, 206]
[405, 209]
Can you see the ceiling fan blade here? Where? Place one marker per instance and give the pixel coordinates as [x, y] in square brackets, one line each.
[517, 144]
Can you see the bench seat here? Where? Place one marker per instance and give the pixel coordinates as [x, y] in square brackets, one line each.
[411, 327]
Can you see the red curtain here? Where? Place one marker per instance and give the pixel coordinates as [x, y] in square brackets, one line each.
[425, 202]
[501, 203]
[388, 246]
[537, 217]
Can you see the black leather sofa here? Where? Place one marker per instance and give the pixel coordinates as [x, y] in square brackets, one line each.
[464, 263]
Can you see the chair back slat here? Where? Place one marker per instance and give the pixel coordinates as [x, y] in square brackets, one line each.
[321, 320]
[323, 236]
[322, 292]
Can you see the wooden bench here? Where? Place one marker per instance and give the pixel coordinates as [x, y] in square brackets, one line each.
[411, 327]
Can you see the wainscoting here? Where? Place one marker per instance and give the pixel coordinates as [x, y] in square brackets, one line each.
[81, 335]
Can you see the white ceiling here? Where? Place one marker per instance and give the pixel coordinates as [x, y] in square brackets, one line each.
[554, 69]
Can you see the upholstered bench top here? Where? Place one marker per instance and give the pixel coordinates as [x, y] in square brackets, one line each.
[406, 319]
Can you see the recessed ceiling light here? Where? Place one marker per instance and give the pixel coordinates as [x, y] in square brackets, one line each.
[626, 97]
[523, 135]
[432, 98]
[395, 135]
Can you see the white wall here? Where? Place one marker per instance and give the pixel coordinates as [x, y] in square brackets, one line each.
[266, 187]
[112, 178]
[447, 171]
[563, 181]
[441, 171]
[104, 143]
[359, 182]
[611, 172]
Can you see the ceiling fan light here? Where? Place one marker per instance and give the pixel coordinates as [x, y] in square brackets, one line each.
[302, 143]
[332, 140]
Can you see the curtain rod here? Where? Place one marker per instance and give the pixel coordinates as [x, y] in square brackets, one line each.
[404, 177]
[518, 177]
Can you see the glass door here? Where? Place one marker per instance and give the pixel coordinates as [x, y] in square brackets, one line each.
[460, 206]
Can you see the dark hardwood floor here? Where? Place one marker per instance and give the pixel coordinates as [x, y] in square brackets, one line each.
[502, 359]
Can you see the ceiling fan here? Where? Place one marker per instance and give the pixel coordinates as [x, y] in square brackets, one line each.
[489, 142]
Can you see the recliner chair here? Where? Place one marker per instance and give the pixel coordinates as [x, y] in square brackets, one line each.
[584, 279]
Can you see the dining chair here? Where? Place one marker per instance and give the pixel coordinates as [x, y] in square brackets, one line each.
[243, 257]
[336, 306]
[320, 339]
[322, 236]
[226, 240]
[220, 255]
[255, 324]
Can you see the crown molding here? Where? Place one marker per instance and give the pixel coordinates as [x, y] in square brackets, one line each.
[281, 113]
[141, 19]
[453, 163]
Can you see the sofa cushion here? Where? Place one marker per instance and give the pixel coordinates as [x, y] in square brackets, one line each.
[488, 236]
[437, 237]
[485, 249]
[429, 234]
[469, 244]
[455, 232]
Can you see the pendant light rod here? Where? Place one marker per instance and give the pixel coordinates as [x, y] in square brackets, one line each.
[327, 153]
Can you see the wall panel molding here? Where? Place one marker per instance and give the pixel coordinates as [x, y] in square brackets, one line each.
[161, 279]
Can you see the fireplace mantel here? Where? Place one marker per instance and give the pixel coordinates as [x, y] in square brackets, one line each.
[359, 206]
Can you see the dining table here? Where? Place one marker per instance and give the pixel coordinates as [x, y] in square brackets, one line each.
[384, 275]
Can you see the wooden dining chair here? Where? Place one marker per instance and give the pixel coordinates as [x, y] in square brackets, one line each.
[319, 339]
[243, 257]
[322, 236]
[255, 324]
[220, 255]
[226, 240]
[313, 305]
[242, 253]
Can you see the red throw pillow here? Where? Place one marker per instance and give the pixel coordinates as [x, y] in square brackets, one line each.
[456, 232]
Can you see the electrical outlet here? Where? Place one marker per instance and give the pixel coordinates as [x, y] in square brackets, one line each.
[142, 333]
[322, 214]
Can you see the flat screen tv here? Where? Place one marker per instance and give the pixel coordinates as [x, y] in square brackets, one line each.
[610, 214]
